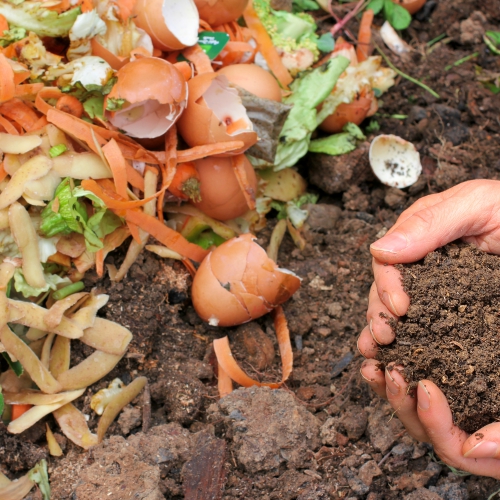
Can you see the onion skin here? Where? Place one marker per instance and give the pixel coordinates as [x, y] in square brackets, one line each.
[221, 194]
[216, 12]
[353, 112]
[412, 6]
[237, 282]
[253, 79]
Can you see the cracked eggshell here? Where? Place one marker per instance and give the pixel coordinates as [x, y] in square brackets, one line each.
[215, 113]
[217, 12]
[412, 6]
[155, 93]
[171, 24]
[220, 191]
[394, 161]
[237, 282]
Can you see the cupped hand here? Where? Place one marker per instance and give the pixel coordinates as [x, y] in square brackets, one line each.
[470, 211]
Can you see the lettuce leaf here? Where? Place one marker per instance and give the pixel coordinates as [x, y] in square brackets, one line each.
[338, 144]
[33, 17]
[52, 282]
[309, 91]
[71, 216]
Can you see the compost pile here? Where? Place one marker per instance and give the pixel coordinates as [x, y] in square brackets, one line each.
[450, 332]
[114, 189]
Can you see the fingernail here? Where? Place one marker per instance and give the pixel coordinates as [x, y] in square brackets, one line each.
[387, 300]
[424, 398]
[371, 331]
[391, 384]
[484, 449]
[361, 372]
[392, 243]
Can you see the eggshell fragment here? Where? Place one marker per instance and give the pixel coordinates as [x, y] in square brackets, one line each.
[171, 24]
[254, 79]
[215, 113]
[221, 194]
[155, 93]
[394, 161]
[217, 12]
[238, 282]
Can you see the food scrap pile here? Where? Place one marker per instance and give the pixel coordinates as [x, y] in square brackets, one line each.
[177, 122]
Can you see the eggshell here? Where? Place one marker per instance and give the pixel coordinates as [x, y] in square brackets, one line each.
[223, 295]
[156, 93]
[212, 107]
[354, 112]
[412, 6]
[171, 24]
[394, 161]
[254, 79]
[221, 194]
[217, 12]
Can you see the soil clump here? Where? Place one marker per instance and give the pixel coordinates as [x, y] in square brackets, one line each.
[450, 332]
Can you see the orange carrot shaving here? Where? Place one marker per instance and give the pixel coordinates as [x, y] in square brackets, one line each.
[18, 410]
[112, 200]
[204, 26]
[266, 46]
[28, 88]
[199, 152]
[363, 50]
[227, 362]
[3, 173]
[134, 231]
[168, 237]
[169, 167]
[86, 5]
[118, 166]
[4, 25]
[7, 125]
[70, 105]
[7, 86]
[46, 93]
[197, 56]
[40, 123]
[19, 112]
[99, 262]
[248, 191]
[134, 177]
[185, 69]
[224, 382]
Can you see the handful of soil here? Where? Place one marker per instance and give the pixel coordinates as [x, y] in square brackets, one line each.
[451, 333]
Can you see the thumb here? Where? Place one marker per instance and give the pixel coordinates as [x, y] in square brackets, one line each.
[423, 230]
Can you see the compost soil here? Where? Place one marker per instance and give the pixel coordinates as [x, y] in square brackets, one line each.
[325, 435]
[450, 332]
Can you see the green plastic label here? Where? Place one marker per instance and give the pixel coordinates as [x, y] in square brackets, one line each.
[211, 42]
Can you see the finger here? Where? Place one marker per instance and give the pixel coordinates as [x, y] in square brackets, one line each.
[390, 288]
[378, 316]
[471, 210]
[485, 443]
[447, 439]
[404, 403]
[374, 376]
[367, 346]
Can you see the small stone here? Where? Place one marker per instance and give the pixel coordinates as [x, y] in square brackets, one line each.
[341, 439]
[354, 421]
[368, 471]
[422, 494]
[334, 309]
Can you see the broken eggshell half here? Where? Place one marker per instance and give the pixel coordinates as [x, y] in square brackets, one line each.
[171, 24]
[237, 282]
[394, 161]
[215, 113]
[217, 12]
[155, 95]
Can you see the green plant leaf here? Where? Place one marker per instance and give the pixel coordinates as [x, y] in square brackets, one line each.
[17, 368]
[376, 6]
[400, 18]
[326, 43]
[301, 5]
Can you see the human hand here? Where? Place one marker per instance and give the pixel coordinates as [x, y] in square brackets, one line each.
[470, 211]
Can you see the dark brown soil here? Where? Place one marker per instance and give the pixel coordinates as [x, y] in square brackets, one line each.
[450, 333]
[325, 435]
